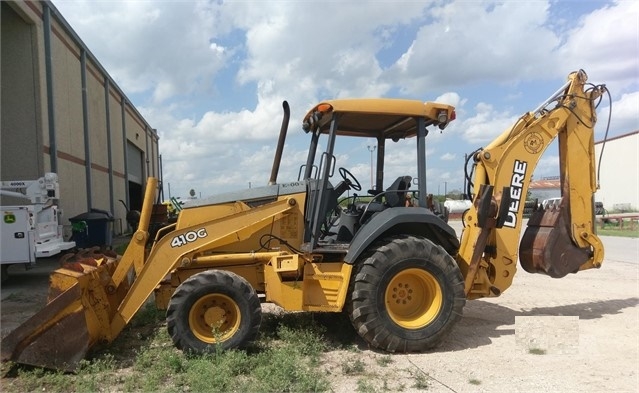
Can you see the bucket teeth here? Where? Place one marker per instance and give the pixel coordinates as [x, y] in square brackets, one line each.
[81, 305]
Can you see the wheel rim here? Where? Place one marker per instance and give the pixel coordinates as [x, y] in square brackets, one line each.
[413, 298]
[214, 317]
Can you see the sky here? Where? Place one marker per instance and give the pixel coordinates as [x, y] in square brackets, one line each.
[211, 76]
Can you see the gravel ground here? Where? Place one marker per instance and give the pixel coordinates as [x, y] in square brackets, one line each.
[575, 334]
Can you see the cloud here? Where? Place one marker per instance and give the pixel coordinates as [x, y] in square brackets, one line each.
[451, 98]
[149, 46]
[460, 45]
[211, 75]
[485, 125]
[624, 117]
[605, 43]
[447, 157]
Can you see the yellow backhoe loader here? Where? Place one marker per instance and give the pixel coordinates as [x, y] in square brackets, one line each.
[400, 272]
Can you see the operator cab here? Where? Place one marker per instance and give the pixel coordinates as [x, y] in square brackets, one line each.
[333, 220]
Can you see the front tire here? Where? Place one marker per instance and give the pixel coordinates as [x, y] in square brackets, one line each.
[405, 295]
[213, 308]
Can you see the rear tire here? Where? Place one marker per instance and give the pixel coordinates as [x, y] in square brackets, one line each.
[405, 295]
[4, 274]
[213, 308]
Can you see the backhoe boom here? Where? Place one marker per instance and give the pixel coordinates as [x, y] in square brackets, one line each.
[489, 247]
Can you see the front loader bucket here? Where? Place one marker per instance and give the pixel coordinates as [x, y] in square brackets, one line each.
[84, 305]
[81, 302]
[547, 246]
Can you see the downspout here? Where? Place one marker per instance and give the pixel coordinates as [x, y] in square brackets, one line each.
[107, 108]
[85, 122]
[161, 178]
[146, 153]
[126, 154]
[153, 160]
[48, 64]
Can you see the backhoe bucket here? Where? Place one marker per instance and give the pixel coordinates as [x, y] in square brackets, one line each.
[81, 302]
[547, 246]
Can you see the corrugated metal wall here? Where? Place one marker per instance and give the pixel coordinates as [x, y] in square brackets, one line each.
[65, 114]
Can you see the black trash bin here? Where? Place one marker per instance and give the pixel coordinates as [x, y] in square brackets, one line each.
[93, 228]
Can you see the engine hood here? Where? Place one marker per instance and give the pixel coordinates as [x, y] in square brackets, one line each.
[249, 195]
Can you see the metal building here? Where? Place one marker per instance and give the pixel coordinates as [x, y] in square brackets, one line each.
[62, 112]
[619, 172]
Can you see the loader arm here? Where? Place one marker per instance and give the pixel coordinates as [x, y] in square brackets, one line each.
[92, 303]
[181, 245]
[489, 244]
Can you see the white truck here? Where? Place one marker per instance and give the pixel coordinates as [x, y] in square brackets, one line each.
[34, 230]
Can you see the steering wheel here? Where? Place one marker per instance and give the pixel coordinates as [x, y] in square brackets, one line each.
[350, 179]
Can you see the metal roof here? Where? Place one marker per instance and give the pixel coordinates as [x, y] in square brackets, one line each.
[372, 117]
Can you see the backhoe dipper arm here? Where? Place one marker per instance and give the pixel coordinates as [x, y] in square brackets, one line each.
[489, 245]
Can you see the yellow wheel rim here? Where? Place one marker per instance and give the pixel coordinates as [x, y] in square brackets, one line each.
[214, 317]
[413, 298]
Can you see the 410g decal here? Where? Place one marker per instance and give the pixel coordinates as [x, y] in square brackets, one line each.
[189, 237]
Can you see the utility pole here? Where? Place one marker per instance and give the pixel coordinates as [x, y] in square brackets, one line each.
[372, 148]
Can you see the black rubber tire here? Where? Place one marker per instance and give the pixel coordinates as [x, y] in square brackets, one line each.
[414, 257]
[4, 274]
[206, 285]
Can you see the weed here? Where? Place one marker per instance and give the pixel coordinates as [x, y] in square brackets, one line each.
[350, 366]
[217, 372]
[474, 381]
[95, 373]
[421, 380]
[354, 349]
[306, 341]
[286, 358]
[384, 360]
[18, 297]
[365, 385]
[537, 351]
[38, 379]
[121, 248]
[148, 315]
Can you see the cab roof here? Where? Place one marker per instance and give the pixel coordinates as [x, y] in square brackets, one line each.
[390, 118]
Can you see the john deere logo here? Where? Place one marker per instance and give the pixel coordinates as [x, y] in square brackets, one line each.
[9, 218]
[533, 142]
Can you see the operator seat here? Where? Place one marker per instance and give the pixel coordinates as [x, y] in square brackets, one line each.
[396, 193]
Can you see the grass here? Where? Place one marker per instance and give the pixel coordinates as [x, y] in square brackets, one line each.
[537, 351]
[286, 358]
[18, 297]
[612, 228]
[384, 360]
[616, 231]
[420, 380]
[353, 366]
[121, 248]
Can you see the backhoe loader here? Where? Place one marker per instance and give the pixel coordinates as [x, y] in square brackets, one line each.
[400, 272]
